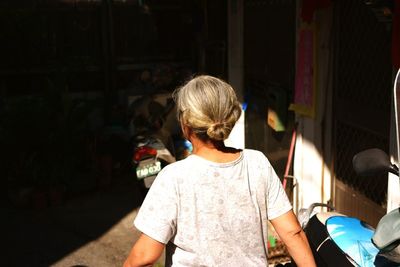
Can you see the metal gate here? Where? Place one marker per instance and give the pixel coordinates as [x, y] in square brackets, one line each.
[361, 105]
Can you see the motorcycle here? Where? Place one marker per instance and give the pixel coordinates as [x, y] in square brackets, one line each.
[149, 158]
[153, 146]
[340, 240]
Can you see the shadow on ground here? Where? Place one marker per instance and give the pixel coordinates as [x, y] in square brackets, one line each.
[94, 229]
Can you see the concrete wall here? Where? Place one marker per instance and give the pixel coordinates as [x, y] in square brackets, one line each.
[312, 158]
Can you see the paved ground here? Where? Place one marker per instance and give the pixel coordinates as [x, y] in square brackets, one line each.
[94, 229]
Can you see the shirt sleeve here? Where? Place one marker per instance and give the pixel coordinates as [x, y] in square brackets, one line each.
[157, 215]
[277, 200]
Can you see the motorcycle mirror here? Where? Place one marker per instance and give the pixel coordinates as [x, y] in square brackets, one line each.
[396, 96]
[373, 162]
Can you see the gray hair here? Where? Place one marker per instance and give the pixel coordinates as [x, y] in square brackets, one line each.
[208, 106]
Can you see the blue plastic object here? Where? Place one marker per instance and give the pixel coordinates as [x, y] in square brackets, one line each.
[353, 237]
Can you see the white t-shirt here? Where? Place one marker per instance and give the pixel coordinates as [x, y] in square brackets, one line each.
[214, 214]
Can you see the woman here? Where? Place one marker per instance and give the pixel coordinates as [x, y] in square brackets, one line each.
[211, 209]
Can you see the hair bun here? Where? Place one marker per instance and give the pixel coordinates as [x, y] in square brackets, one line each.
[218, 131]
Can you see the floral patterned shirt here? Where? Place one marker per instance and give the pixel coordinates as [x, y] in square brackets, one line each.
[214, 214]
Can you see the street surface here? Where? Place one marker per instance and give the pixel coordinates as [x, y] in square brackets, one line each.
[94, 229]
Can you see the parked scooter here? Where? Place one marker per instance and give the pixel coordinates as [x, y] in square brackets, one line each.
[149, 158]
[340, 240]
[153, 146]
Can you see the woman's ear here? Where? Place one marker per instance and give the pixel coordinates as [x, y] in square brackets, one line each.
[186, 131]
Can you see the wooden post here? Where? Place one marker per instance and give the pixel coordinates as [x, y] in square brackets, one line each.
[108, 46]
[235, 66]
[235, 46]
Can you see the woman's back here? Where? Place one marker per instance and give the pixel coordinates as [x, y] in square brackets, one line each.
[211, 212]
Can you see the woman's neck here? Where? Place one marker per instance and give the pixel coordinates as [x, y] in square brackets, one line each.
[214, 151]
